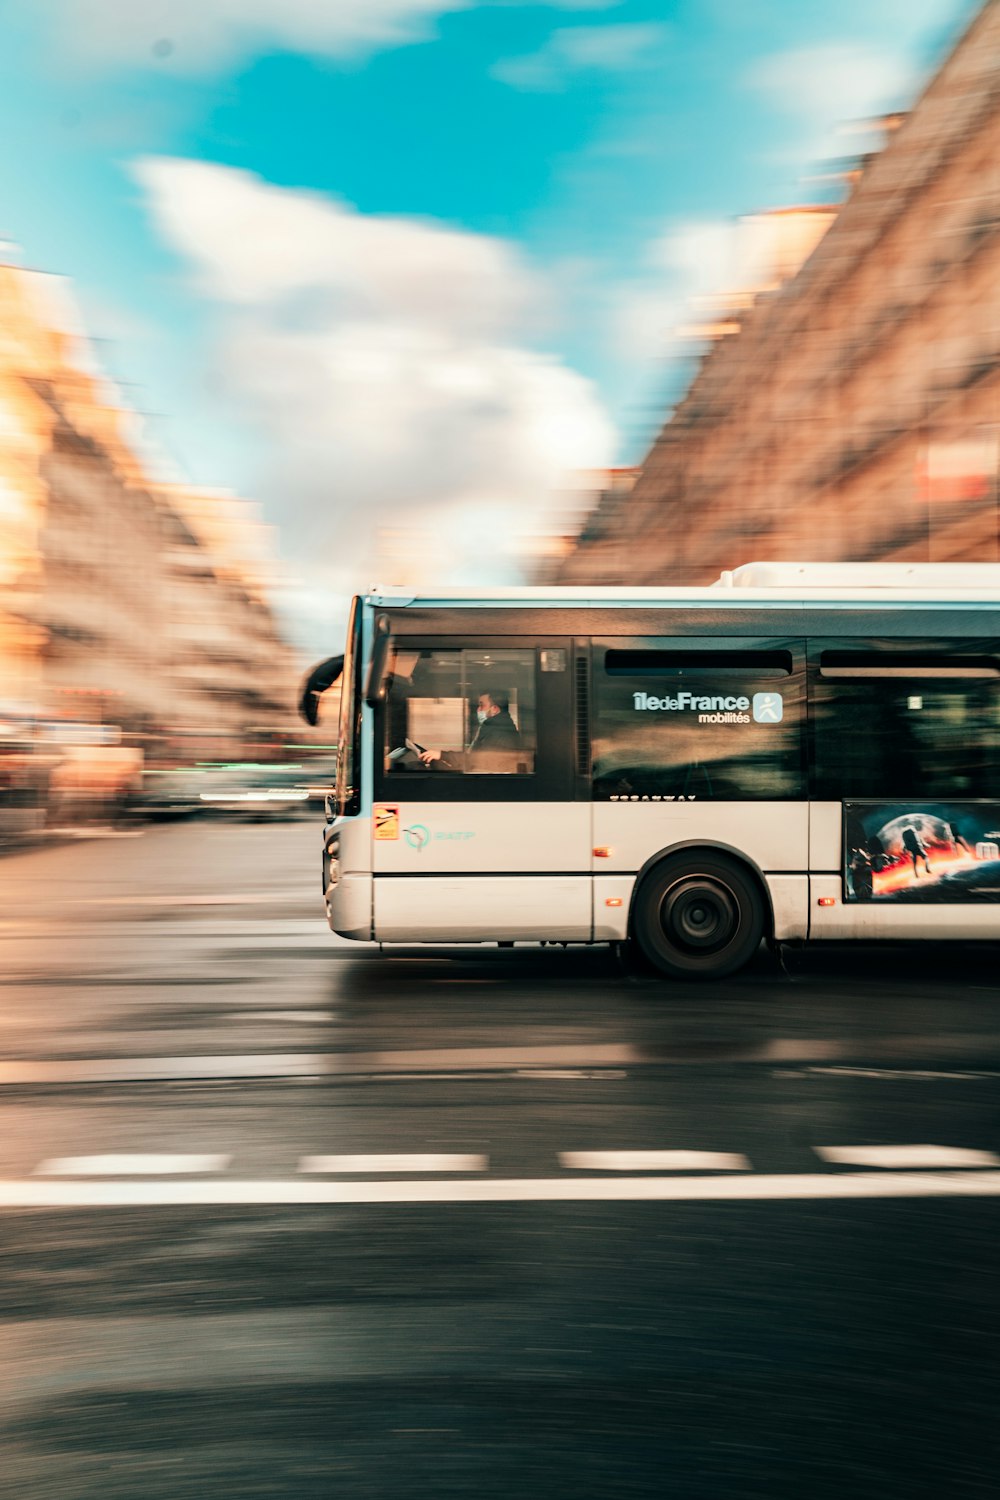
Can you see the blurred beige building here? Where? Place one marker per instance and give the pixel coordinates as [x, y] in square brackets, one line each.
[849, 408]
[121, 601]
[228, 664]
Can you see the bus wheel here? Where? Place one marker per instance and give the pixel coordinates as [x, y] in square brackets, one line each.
[700, 916]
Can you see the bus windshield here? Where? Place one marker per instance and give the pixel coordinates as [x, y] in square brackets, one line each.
[348, 781]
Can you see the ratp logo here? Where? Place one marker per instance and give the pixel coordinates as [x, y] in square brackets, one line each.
[768, 708]
[418, 837]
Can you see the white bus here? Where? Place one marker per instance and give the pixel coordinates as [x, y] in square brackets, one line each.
[797, 752]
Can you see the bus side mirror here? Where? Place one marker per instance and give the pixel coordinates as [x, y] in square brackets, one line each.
[375, 684]
[319, 679]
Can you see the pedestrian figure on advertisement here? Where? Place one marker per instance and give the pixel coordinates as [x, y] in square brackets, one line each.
[955, 834]
[876, 853]
[862, 878]
[915, 849]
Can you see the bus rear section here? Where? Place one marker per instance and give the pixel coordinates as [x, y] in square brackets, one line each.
[690, 770]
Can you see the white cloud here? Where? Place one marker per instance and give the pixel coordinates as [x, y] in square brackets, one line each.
[387, 364]
[574, 50]
[252, 243]
[819, 87]
[207, 36]
[211, 36]
[688, 274]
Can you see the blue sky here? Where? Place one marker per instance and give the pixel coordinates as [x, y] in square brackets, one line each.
[369, 260]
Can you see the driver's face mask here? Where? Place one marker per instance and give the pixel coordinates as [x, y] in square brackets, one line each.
[482, 714]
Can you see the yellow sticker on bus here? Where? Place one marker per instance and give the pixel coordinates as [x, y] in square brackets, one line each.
[386, 822]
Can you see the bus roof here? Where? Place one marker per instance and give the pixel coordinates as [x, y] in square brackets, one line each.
[753, 583]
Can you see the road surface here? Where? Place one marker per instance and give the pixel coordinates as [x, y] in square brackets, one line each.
[286, 1216]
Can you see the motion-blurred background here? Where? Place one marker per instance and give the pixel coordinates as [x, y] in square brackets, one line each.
[463, 292]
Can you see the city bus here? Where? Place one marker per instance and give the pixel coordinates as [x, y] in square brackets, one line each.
[798, 752]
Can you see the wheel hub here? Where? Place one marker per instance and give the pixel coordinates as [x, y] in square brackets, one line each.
[699, 913]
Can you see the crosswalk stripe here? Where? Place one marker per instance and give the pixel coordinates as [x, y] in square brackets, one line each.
[119, 1164]
[426, 1162]
[906, 1156]
[655, 1161]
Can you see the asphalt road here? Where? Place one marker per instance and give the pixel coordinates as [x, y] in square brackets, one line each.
[286, 1216]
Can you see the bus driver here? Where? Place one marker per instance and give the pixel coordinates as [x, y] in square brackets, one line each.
[496, 729]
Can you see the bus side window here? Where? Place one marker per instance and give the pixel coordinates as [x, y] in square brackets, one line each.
[695, 721]
[892, 722]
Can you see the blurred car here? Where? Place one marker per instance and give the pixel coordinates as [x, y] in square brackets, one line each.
[169, 794]
[260, 792]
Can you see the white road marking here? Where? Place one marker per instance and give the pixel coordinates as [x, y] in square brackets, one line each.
[184, 898]
[655, 1161]
[303, 1016]
[93, 833]
[891, 1073]
[906, 1156]
[570, 1073]
[118, 1164]
[228, 1191]
[427, 1162]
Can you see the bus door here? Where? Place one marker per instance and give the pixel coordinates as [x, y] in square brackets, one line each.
[479, 829]
[906, 822]
[700, 741]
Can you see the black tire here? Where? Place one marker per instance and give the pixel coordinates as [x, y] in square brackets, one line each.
[698, 916]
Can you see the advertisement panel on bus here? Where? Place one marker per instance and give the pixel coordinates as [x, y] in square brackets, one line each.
[922, 851]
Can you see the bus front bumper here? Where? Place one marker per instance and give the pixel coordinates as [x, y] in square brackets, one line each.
[349, 906]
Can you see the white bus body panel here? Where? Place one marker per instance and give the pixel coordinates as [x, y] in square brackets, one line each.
[867, 921]
[349, 889]
[611, 922]
[354, 838]
[790, 907]
[501, 872]
[349, 906]
[772, 835]
[826, 833]
[483, 908]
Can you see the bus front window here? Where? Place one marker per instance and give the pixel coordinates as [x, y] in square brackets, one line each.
[464, 711]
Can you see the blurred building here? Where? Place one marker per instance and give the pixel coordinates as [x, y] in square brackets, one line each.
[601, 503]
[849, 406]
[122, 601]
[24, 424]
[229, 666]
